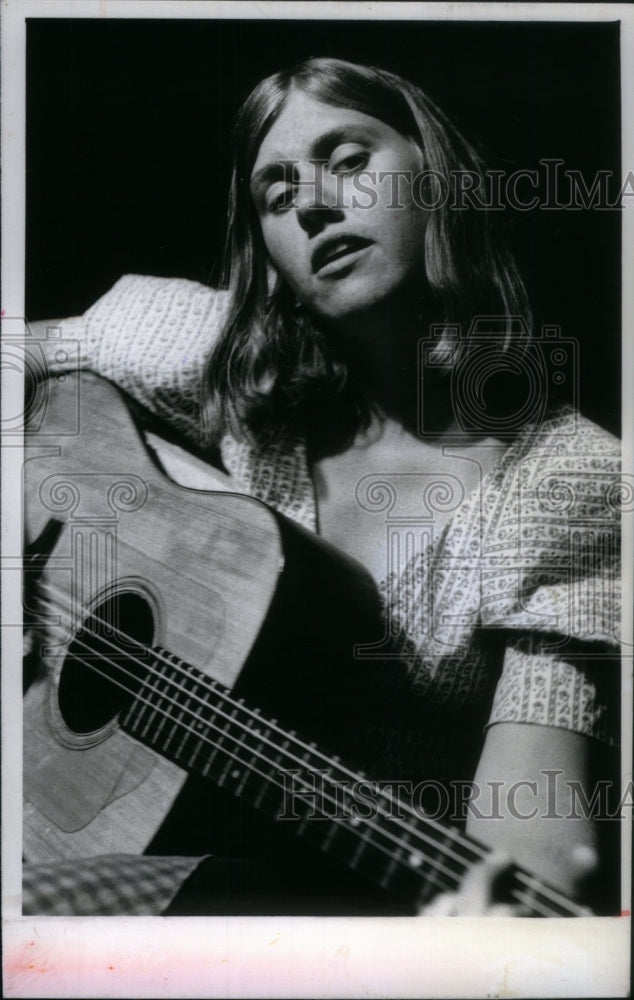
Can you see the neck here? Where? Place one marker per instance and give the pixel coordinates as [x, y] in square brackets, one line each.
[381, 351]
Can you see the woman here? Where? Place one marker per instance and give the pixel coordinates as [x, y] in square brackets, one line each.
[331, 367]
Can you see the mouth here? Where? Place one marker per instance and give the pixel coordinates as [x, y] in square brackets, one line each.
[335, 250]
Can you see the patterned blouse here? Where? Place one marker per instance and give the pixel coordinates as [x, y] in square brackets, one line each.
[510, 613]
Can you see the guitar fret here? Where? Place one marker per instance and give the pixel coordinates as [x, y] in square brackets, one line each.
[147, 715]
[361, 846]
[258, 753]
[301, 827]
[159, 674]
[189, 713]
[217, 745]
[172, 700]
[143, 709]
[231, 760]
[306, 757]
[340, 836]
[400, 863]
[414, 858]
[252, 764]
[261, 765]
[437, 867]
[173, 705]
[453, 869]
[271, 779]
[389, 862]
[239, 746]
[392, 867]
[396, 866]
[201, 725]
[264, 788]
[151, 717]
[162, 675]
[333, 828]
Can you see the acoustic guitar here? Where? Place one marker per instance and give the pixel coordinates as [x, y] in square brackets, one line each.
[169, 620]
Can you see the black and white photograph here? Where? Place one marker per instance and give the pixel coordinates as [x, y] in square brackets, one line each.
[317, 499]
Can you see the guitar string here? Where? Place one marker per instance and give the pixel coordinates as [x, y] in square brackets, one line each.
[436, 867]
[437, 870]
[476, 852]
[269, 781]
[224, 733]
[533, 885]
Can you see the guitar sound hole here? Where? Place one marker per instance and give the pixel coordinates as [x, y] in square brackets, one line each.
[106, 662]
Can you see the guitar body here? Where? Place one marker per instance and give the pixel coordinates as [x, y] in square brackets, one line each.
[216, 580]
[163, 616]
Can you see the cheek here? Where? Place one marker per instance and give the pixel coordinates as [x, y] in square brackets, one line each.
[402, 222]
[284, 256]
[416, 229]
[404, 235]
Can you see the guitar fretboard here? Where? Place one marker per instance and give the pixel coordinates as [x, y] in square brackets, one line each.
[195, 722]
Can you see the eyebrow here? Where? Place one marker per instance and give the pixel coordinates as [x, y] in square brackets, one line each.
[321, 147]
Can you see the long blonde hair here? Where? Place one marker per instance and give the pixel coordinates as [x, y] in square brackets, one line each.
[272, 363]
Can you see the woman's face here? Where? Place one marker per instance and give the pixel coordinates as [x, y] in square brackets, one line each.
[345, 234]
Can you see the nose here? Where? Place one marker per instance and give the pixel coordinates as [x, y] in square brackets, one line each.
[317, 201]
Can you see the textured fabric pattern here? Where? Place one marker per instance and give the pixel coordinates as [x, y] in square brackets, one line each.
[277, 475]
[534, 549]
[110, 885]
[507, 614]
[152, 338]
[533, 552]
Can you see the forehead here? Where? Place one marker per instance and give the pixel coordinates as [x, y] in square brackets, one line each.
[304, 121]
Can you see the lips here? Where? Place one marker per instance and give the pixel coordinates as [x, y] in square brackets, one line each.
[336, 248]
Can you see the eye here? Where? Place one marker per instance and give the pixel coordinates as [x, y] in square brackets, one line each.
[279, 198]
[349, 158]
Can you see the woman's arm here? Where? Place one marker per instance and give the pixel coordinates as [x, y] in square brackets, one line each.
[547, 799]
[150, 336]
[545, 796]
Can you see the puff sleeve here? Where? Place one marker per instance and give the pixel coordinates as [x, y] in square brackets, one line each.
[555, 589]
[151, 337]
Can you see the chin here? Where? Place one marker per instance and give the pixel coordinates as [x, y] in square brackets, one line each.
[353, 299]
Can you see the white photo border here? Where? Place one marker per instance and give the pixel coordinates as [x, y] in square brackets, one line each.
[282, 957]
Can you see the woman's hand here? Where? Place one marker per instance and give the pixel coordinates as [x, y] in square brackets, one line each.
[477, 894]
[480, 893]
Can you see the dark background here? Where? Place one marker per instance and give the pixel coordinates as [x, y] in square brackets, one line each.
[128, 150]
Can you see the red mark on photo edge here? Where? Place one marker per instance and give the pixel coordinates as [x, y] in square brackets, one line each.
[2, 312]
[625, 913]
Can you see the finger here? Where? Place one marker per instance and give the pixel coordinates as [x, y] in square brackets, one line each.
[585, 872]
[506, 910]
[585, 857]
[585, 860]
[478, 888]
[442, 905]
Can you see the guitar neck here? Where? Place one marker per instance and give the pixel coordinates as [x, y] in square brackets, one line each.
[194, 721]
